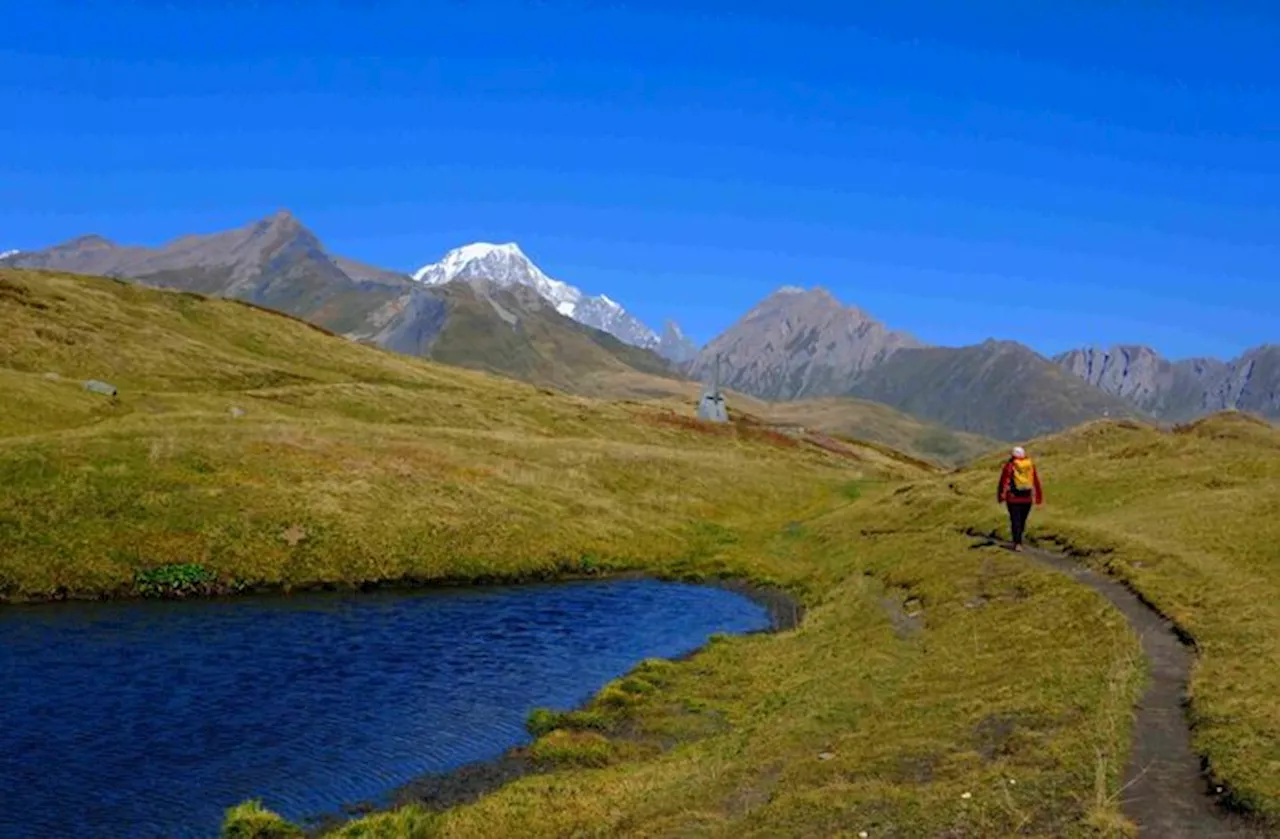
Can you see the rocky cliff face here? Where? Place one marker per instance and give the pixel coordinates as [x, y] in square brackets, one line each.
[799, 343]
[1177, 391]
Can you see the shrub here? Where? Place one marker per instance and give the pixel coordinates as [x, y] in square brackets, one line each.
[251, 820]
[174, 580]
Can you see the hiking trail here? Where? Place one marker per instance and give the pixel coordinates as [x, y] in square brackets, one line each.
[1164, 790]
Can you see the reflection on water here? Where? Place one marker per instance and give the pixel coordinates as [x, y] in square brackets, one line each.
[149, 719]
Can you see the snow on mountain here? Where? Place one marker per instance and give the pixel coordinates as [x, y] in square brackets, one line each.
[506, 265]
[7, 254]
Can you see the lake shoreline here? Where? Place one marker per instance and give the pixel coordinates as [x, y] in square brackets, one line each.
[784, 609]
[467, 783]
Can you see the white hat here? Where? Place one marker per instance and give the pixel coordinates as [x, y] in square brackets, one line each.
[1018, 451]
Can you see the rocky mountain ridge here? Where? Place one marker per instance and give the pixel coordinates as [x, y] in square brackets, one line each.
[507, 265]
[490, 306]
[280, 264]
[796, 344]
[1182, 390]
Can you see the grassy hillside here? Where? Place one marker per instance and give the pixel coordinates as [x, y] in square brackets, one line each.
[933, 689]
[538, 344]
[874, 421]
[269, 453]
[1191, 519]
[858, 419]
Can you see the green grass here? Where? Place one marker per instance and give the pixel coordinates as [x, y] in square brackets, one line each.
[1191, 519]
[253, 821]
[934, 688]
[174, 580]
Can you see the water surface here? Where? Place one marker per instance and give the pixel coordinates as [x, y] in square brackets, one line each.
[147, 719]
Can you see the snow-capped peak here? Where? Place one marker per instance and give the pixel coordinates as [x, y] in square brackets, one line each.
[503, 264]
[7, 254]
[456, 259]
[507, 264]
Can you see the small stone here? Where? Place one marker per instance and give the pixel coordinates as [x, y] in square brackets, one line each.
[966, 796]
[237, 413]
[104, 388]
[52, 377]
[863, 834]
[1012, 782]
[826, 756]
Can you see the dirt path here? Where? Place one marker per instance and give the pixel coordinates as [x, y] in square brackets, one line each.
[1165, 793]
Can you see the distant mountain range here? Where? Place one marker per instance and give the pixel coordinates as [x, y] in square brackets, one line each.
[1183, 390]
[476, 321]
[490, 307]
[797, 344]
[506, 266]
[801, 344]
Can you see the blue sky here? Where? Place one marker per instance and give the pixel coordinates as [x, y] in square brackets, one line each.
[1078, 173]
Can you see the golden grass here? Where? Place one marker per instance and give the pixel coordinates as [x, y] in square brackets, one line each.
[1191, 519]
[933, 690]
[983, 715]
[845, 417]
[340, 463]
[983, 670]
[865, 420]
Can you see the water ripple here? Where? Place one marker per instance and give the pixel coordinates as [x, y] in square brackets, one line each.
[147, 720]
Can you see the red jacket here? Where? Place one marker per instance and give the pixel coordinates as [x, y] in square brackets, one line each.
[1006, 476]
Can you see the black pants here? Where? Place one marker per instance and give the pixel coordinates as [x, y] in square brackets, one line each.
[1018, 520]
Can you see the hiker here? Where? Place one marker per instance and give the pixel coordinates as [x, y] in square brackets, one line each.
[1019, 489]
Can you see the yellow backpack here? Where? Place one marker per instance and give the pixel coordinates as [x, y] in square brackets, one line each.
[1023, 480]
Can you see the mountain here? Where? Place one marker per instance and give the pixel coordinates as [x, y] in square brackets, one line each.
[999, 389]
[7, 254]
[799, 344]
[675, 345]
[1178, 391]
[507, 265]
[511, 330]
[279, 264]
[276, 263]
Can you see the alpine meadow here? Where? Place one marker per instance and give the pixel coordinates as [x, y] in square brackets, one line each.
[646, 420]
[937, 685]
